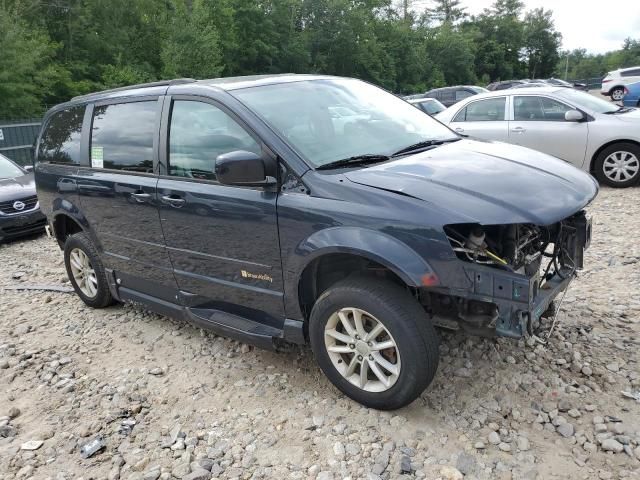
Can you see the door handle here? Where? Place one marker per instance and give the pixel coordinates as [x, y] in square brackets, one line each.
[459, 129]
[141, 197]
[174, 201]
[518, 130]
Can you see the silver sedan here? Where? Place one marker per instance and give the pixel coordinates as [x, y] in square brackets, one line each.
[593, 134]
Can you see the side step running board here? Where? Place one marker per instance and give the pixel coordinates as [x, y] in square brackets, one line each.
[222, 323]
[233, 326]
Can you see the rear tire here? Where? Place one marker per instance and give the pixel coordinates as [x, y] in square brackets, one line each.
[86, 272]
[406, 344]
[617, 94]
[618, 165]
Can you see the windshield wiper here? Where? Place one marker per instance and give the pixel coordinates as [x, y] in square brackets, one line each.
[619, 110]
[422, 145]
[364, 159]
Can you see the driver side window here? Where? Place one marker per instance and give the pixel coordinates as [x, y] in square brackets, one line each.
[199, 132]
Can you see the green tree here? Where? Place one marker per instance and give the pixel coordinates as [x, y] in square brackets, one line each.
[541, 43]
[446, 12]
[27, 73]
[191, 46]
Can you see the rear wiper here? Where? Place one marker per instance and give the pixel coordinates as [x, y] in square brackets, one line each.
[364, 159]
[422, 145]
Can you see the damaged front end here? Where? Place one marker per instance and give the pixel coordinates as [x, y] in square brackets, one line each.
[512, 273]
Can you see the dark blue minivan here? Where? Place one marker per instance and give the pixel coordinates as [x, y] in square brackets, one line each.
[297, 208]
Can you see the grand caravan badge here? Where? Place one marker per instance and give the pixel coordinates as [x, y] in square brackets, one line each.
[256, 276]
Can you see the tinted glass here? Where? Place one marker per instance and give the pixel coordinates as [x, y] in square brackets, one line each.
[488, 110]
[60, 142]
[122, 136]
[301, 113]
[199, 133]
[447, 96]
[631, 73]
[462, 94]
[8, 169]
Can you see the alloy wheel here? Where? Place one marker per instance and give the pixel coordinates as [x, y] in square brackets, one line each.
[617, 94]
[83, 273]
[362, 350]
[621, 166]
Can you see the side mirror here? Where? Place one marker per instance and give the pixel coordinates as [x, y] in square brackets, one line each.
[28, 168]
[242, 168]
[573, 116]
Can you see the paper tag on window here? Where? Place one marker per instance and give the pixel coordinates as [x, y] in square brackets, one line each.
[97, 157]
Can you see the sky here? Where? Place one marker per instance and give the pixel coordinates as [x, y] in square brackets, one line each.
[594, 25]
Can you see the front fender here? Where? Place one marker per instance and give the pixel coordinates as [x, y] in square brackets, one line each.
[371, 244]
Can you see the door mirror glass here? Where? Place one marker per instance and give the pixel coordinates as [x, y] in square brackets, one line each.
[573, 116]
[242, 168]
[28, 168]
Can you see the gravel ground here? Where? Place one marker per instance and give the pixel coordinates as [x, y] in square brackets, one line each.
[170, 400]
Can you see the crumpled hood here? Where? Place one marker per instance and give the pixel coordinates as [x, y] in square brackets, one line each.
[486, 182]
[17, 187]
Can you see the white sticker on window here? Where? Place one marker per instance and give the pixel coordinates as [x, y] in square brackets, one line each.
[1, 135]
[97, 157]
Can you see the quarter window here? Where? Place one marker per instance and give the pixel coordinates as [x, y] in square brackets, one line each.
[529, 108]
[489, 110]
[200, 132]
[60, 142]
[122, 136]
[631, 73]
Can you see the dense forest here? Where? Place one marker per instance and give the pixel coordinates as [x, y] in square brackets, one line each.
[52, 50]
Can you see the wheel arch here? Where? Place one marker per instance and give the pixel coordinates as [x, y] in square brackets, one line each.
[332, 254]
[66, 220]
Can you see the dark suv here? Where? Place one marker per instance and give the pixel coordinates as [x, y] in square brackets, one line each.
[246, 206]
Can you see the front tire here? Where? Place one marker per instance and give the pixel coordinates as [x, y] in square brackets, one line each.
[618, 165]
[86, 272]
[374, 342]
[617, 94]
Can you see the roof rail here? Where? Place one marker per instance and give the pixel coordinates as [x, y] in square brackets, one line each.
[161, 83]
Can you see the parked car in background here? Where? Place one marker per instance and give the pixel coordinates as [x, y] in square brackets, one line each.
[503, 85]
[614, 82]
[563, 83]
[632, 95]
[591, 133]
[430, 106]
[19, 208]
[235, 204]
[530, 85]
[451, 95]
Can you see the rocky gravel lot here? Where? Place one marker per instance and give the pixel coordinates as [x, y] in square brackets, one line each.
[171, 401]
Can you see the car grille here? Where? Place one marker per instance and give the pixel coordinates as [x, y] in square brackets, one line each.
[29, 204]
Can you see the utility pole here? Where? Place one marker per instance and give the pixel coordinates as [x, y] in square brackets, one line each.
[566, 68]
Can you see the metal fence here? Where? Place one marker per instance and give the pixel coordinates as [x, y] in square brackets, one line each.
[17, 138]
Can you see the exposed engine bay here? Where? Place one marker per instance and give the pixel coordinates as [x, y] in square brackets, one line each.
[515, 272]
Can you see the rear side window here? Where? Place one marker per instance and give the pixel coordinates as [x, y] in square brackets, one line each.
[122, 136]
[447, 96]
[631, 73]
[200, 132]
[489, 110]
[60, 141]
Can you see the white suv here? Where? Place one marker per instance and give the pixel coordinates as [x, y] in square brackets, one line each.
[613, 85]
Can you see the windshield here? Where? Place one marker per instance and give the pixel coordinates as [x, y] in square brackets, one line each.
[8, 169]
[334, 119]
[587, 101]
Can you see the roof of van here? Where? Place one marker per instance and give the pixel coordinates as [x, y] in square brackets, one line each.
[224, 83]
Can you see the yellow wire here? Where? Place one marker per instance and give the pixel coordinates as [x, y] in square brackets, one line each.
[495, 257]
